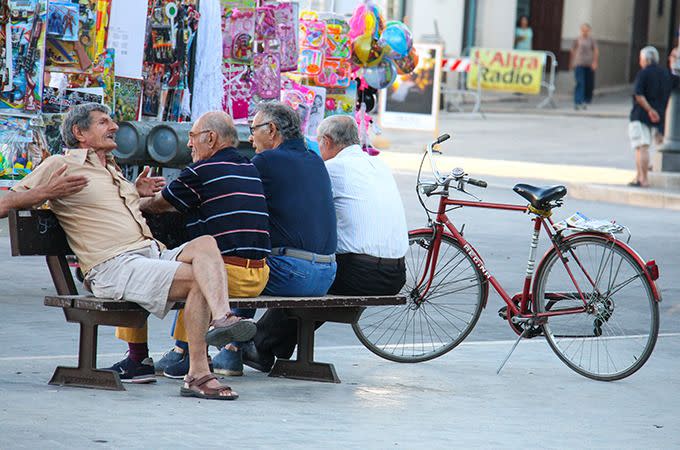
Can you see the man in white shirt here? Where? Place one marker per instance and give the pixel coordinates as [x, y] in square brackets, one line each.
[372, 233]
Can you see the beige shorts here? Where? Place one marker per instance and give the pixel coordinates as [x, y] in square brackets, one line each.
[642, 134]
[142, 276]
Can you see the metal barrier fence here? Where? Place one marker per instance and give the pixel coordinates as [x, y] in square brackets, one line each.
[550, 70]
[455, 97]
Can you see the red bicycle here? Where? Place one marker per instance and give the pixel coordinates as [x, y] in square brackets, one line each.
[591, 296]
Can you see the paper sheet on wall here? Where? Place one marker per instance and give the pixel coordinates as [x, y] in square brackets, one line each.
[127, 24]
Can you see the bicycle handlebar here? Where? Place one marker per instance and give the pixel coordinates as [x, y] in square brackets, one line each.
[442, 138]
[479, 183]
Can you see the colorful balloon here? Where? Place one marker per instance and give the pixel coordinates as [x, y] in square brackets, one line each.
[398, 38]
[367, 52]
[408, 63]
[366, 20]
[382, 75]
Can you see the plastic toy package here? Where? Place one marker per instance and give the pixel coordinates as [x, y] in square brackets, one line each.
[128, 95]
[238, 87]
[341, 100]
[265, 24]
[300, 98]
[239, 32]
[171, 28]
[101, 75]
[22, 147]
[286, 15]
[325, 50]
[76, 34]
[317, 111]
[22, 46]
[266, 76]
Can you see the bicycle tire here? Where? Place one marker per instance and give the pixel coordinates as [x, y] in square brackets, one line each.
[616, 336]
[421, 331]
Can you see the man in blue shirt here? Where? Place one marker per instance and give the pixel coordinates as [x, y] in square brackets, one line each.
[302, 226]
[652, 89]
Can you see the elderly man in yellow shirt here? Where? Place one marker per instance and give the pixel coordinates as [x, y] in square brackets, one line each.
[100, 213]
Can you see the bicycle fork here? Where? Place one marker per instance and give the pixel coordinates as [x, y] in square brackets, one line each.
[430, 266]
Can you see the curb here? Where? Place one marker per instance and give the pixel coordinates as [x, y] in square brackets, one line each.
[644, 197]
[552, 112]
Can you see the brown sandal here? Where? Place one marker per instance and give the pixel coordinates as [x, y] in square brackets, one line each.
[230, 328]
[195, 389]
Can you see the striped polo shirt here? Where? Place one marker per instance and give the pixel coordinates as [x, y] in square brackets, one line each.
[222, 196]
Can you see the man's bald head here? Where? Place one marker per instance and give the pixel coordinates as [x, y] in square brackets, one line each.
[223, 126]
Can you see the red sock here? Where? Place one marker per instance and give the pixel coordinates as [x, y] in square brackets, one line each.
[138, 351]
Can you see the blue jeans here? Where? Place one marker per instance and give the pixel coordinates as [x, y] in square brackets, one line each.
[585, 83]
[293, 277]
[289, 277]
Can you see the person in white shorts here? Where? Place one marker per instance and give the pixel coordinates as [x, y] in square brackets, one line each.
[652, 89]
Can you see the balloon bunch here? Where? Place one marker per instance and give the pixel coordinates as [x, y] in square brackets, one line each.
[382, 50]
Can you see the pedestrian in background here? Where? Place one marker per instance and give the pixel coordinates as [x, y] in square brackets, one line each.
[584, 60]
[523, 34]
[652, 89]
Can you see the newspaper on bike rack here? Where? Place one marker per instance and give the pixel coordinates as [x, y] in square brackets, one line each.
[579, 222]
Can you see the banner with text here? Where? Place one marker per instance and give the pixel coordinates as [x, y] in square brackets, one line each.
[506, 70]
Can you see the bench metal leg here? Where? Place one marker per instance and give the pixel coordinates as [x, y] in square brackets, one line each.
[304, 367]
[86, 374]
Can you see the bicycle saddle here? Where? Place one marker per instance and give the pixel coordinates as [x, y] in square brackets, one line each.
[540, 197]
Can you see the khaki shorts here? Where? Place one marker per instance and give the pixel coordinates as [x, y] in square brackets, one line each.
[641, 134]
[142, 276]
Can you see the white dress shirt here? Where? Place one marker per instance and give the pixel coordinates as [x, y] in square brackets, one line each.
[371, 219]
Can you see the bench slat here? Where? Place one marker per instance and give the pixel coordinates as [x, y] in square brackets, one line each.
[106, 304]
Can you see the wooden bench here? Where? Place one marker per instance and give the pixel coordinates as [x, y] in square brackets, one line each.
[37, 232]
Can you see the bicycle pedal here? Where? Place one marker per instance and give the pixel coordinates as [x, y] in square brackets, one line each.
[503, 313]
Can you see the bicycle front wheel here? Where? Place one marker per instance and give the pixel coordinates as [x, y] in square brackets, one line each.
[616, 333]
[425, 328]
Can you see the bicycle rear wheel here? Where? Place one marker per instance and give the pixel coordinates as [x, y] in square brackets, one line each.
[424, 329]
[616, 334]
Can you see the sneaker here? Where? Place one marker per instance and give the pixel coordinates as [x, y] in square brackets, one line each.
[179, 369]
[228, 363]
[131, 371]
[170, 357]
[257, 359]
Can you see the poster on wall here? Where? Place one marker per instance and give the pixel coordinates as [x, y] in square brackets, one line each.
[412, 101]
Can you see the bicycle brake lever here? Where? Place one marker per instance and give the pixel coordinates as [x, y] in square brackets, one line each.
[461, 188]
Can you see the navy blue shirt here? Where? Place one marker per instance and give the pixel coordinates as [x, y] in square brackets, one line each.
[299, 198]
[223, 196]
[654, 83]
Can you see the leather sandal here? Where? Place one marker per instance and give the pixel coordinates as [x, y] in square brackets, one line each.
[196, 388]
[230, 328]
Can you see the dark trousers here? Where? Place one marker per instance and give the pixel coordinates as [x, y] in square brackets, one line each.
[362, 275]
[585, 83]
[356, 275]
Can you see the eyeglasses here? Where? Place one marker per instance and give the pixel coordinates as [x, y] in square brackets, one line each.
[255, 127]
[193, 135]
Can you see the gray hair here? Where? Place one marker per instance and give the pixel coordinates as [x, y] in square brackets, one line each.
[650, 54]
[285, 118]
[79, 115]
[342, 130]
[221, 123]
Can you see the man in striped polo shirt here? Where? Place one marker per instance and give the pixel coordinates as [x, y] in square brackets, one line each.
[222, 196]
